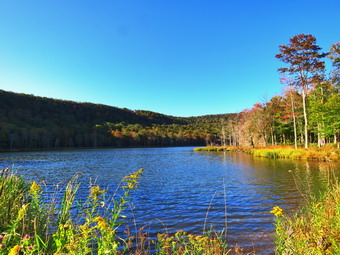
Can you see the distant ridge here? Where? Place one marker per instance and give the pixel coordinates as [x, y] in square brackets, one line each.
[33, 122]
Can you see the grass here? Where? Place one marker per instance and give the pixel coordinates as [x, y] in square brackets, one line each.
[315, 229]
[327, 153]
[30, 226]
[323, 153]
[219, 148]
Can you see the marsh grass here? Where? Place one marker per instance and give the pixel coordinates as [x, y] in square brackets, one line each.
[326, 153]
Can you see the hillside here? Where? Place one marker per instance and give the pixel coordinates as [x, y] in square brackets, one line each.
[30, 122]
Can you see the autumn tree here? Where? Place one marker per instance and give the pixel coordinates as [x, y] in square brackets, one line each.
[334, 56]
[304, 64]
[289, 82]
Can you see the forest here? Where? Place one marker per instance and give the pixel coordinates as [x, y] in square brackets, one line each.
[29, 122]
[307, 111]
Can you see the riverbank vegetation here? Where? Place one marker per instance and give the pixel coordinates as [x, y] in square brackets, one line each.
[315, 229]
[29, 225]
[326, 153]
[219, 148]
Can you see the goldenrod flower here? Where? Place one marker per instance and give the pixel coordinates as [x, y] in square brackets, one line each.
[35, 188]
[84, 228]
[180, 233]
[95, 192]
[277, 211]
[101, 223]
[14, 250]
[132, 180]
[161, 237]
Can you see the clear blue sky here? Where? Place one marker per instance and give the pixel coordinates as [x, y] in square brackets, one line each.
[177, 57]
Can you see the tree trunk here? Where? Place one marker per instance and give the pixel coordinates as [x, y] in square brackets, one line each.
[319, 135]
[335, 140]
[284, 139]
[305, 116]
[294, 120]
[223, 134]
[272, 135]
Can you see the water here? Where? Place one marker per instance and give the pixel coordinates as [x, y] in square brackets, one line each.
[183, 189]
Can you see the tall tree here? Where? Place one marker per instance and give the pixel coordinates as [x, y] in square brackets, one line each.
[334, 55]
[302, 55]
[288, 81]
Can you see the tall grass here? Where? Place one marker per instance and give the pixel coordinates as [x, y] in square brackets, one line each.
[315, 229]
[327, 153]
[30, 226]
[324, 153]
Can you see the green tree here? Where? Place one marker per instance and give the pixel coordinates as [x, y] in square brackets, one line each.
[334, 55]
[304, 60]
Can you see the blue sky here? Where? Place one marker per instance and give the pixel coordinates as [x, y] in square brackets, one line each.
[182, 58]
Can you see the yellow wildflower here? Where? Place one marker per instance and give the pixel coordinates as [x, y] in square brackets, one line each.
[95, 191]
[102, 224]
[22, 211]
[35, 188]
[317, 206]
[277, 211]
[14, 250]
[161, 237]
[198, 238]
[132, 180]
[84, 228]
[98, 219]
[180, 233]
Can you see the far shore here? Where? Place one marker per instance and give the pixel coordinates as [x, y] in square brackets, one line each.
[326, 153]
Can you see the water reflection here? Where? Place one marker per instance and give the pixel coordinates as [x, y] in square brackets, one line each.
[179, 184]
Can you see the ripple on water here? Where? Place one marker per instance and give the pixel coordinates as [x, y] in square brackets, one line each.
[183, 189]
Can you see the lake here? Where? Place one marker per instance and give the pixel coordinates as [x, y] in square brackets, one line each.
[183, 189]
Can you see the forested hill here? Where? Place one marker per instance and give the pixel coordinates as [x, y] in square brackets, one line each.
[30, 122]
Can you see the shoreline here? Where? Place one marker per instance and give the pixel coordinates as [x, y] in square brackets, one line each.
[93, 148]
[326, 153]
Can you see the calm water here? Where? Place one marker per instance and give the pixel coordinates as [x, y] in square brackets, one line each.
[179, 184]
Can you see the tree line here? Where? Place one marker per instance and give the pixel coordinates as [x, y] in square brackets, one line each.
[29, 122]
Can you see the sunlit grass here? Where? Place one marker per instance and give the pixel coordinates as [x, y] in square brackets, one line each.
[218, 148]
[326, 153]
[31, 226]
[315, 229]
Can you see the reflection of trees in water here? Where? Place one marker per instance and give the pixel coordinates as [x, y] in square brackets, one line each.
[282, 178]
